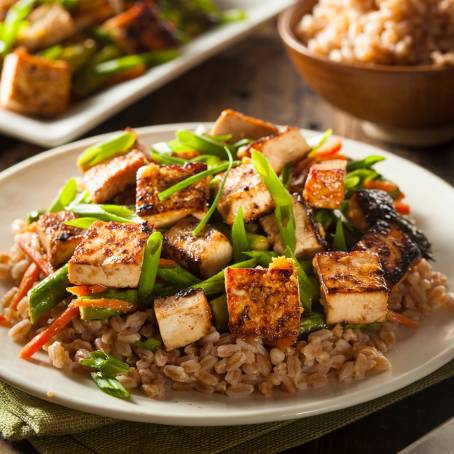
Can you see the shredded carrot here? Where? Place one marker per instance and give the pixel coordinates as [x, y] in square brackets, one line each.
[105, 303]
[4, 321]
[29, 243]
[401, 319]
[30, 276]
[330, 157]
[402, 208]
[49, 333]
[84, 290]
[167, 262]
[387, 186]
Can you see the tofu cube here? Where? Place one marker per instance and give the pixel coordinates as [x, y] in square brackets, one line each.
[244, 188]
[309, 234]
[58, 239]
[153, 179]
[396, 250]
[282, 148]
[104, 181]
[241, 126]
[264, 302]
[183, 318]
[110, 254]
[352, 286]
[34, 85]
[141, 29]
[204, 255]
[324, 187]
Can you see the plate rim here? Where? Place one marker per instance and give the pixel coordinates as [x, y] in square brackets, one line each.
[248, 416]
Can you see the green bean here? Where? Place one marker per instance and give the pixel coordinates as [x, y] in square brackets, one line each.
[221, 313]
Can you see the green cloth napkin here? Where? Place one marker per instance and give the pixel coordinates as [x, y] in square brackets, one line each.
[53, 429]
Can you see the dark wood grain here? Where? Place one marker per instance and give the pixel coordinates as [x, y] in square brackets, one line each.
[256, 77]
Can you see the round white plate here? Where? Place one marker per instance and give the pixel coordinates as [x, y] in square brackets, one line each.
[33, 184]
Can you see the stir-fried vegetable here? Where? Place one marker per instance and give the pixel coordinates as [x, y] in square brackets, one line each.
[66, 195]
[202, 143]
[115, 305]
[240, 240]
[151, 344]
[28, 242]
[150, 266]
[339, 242]
[178, 276]
[318, 140]
[312, 322]
[97, 313]
[258, 242]
[92, 211]
[220, 312]
[29, 278]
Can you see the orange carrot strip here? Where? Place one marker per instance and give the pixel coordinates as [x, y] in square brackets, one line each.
[28, 279]
[4, 321]
[167, 262]
[387, 186]
[49, 333]
[106, 303]
[127, 74]
[84, 290]
[29, 243]
[329, 148]
[402, 319]
[402, 208]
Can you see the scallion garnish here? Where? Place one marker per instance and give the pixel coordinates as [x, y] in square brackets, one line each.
[202, 143]
[116, 213]
[339, 242]
[151, 344]
[312, 322]
[110, 385]
[150, 266]
[318, 140]
[166, 158]
[240, 240]
[66, 195]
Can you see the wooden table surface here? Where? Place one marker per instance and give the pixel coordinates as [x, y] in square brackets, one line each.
[256, 77]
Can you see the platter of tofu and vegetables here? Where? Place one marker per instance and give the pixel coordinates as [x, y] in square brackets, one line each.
[230, 273]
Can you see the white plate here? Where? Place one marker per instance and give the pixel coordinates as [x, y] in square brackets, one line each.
[86, 114]
[33, 183]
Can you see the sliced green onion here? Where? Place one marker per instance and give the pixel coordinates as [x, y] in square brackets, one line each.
[108, 149]
[97, 313]
[163, 158]
[34, 215]
[365, 163]
[325, 217]
[286, 175]
[258, 242]
[312, 322]
[151, 344]
[106, 364]
[201, 143]
[339, 243]
[104, 212]
[351, 182]
[233, 15]
[213, 206]
[150, 266]
[66, 195]
[129, 295]
[52, 53]
[110, 385]
[81, 223]
[222, 138]
[318, 140]
[262, 258]
[220, 312]
[176, 275]
[240, 240]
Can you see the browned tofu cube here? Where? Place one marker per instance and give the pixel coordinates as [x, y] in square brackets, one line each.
[153, 179]
[244, 188]
[205, 254]
[34, 85]
[183, 318]
[353, 287]
[396, 250]
[264, 302]
[104, 181]
[324, 187]
[110, 254]
[86, 14]
[141, 29]
[58, 239]
[241, 126]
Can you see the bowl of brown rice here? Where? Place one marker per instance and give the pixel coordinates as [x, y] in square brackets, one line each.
[387, 62]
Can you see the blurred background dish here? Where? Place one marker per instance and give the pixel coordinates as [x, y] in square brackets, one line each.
[404, 93]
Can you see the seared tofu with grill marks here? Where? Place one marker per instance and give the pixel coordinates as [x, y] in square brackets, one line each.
[324, 187]
[396, 250]
[104, 181]
[244, 188]
[283, 148]
[353, 287]
[110, 254]
[309, 234]
[241, 126]
[34, 85]
[48, 24]
[58, 239]
[264, 302]
[141, 29]
[183, 318]
[205, 254]
[153, 179]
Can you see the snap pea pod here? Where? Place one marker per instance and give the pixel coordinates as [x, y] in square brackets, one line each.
[221, 313]
[48, 293]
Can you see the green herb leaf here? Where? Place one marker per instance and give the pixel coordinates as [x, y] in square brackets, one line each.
[240, 240]
[110, 386]
[66, 195]
[108, 149]
[312, 322]
[339, 243]
[151, 344]
[150, 266]
[106, 364]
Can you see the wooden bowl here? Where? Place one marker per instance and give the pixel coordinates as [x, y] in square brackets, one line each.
[398, 97]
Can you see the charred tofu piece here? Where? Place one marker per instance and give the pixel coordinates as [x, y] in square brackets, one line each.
[110, 254]
[104, 181]
[34, 85]
[48, 24]
[153, 179]
[241, 126]
[141, 29]
[264, 302]
[244, 188]
[93, 12]
[204, 255]
[309, 234]
[353, 287]
[367, 206]
[58, 239]
[324, 187]
[183, 318]
[282, 148]
[396, 250]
